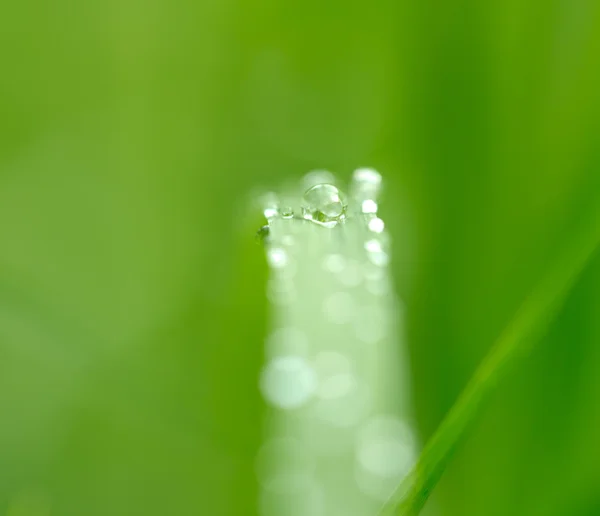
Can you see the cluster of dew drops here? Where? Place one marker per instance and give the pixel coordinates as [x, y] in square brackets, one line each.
[382, 444]
[324, 204]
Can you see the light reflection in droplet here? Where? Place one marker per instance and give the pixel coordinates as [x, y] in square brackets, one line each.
[270, 204]
[367, 176]
[277, 257]
[270, 213]
[366, 184]
[288, 382]
[287, 212]
[324, 204]
[373, 246]
[375, 253]
[376, 225]
[379, 258]
[369, 206]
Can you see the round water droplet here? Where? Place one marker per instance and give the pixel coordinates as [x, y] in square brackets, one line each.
[366, 185]
[368, 206]
[324, 203]
[288, 382]
[367, 178]
[262, 235]
[376, 225]
[287, 212]
[277, 257]
[270, 205]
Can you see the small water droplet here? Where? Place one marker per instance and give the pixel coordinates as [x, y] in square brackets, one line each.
[368, 206]
[365, 188]
[324, 204]
[287, 212]
[373, 246]
[288, 382]
[270, 205]
[262, 235]
[376, 225]
[277, 257]
[367, 180]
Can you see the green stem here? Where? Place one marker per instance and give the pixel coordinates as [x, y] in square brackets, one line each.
[514, 344]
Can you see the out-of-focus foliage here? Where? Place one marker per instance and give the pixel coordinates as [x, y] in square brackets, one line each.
[131, 294]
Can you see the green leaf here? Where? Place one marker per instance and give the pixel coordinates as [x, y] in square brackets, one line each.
[512, 347]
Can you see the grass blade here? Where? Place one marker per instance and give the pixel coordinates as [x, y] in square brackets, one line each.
[513, 345]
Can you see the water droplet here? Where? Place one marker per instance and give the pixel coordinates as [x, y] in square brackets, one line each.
[287, 212]
[373, 246]
[325, 204]
[277, 257]
[262, 235]
[366, 183]
[369, 206]
[376, 253]
[270, 204]
[288, 382]
[376, 225]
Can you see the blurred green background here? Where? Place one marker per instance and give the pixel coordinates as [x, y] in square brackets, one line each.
[132, 306]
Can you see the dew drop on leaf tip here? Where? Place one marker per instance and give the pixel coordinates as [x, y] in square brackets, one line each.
[324, 203]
